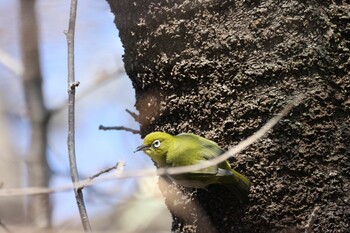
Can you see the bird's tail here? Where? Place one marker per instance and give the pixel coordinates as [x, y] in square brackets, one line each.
[238, 184]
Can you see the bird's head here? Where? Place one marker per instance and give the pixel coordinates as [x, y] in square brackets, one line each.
[156, 146]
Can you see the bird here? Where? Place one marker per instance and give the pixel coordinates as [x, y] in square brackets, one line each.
[185, 149]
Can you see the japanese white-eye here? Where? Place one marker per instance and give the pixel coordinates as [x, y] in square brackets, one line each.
[188, 149]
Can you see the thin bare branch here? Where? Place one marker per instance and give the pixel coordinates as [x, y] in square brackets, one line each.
[134, 131]
[133, 115]
[235, 150]
[72, 84]
[162, 171]
[312, 219]
[104, 171]
[78, 185]
[10, 63]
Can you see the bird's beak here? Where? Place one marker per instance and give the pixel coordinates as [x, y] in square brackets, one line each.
[142, 147]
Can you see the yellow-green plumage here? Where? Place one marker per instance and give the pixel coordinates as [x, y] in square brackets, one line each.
[188, 149]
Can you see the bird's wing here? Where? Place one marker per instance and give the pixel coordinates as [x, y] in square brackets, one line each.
[208, 148]
[202, 150]
[211, 150]
[212, 170]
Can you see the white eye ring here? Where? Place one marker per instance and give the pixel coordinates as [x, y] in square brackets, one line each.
[156, 143]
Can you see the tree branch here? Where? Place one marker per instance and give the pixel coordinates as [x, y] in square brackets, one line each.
[133, 115]
[119, 167]
[76, 185]
[235, 150]
[162, 171]
[10, 63]
[134, 131]
[38, 172]
[312, 219]
[72, 84]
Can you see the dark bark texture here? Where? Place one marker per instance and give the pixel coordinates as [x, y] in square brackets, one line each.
[221, 69]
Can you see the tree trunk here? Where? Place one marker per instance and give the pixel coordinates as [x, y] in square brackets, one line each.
[39, 211]
[221, 69]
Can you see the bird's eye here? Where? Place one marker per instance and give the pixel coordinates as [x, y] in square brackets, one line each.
[156, 143]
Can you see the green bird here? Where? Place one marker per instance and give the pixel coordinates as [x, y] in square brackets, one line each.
[188, 149]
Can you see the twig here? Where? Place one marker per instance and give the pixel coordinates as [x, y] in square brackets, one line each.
[312, 219]
[120, 168]
[72, 84]
[104, 171]
[133, 115]
[161, 171]
[11, 64]
[235, 150]
[134, 131]
[76, 185]
[3, 225]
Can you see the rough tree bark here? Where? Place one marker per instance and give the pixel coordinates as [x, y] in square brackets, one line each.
[39, 211]
[221, 69]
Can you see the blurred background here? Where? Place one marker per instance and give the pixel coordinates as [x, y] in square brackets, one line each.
[129, 205]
